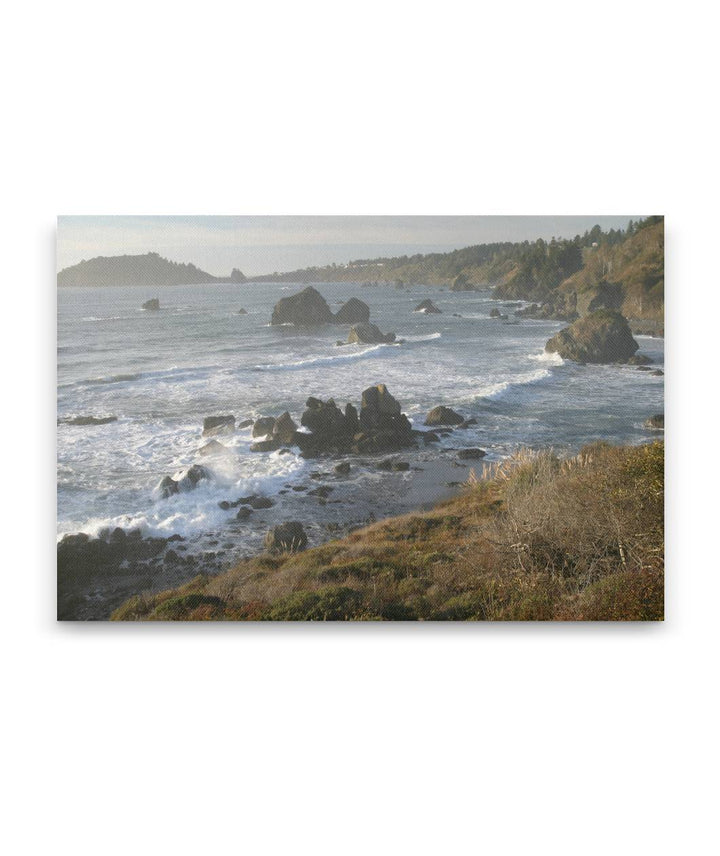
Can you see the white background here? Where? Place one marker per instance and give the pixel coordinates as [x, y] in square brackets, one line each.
[359, 739]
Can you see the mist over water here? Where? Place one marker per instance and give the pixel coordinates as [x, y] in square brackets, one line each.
[162, 372]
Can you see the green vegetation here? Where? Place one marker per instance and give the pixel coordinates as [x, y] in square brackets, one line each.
[148, 269]
[534, 538]
[625, 267]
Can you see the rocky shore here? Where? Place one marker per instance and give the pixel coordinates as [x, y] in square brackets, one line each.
[403, 465]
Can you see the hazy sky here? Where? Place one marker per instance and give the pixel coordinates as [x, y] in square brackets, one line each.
[258, 245]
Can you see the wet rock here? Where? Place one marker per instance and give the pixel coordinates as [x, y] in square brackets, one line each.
[401, 466]
[243, 513]
[167, 487]
[377, 398]
[352, 421]
[657, 373]
[601, 337]
[263, 426]
[152, 304]
[307, 308]
[353, 312]
[324, 418]
[369, 334]
[242, 311]
[288, 537]
[246, 423]
[323, 491]
[442, 415]
[428, 307]
[194, 476]
[265, 446]
[639, 360]
[284, 429]
[342, 469]
[495, 313]
[218, 425]
[656, 422]
[260, 502]
[470, 454]
[213, 448]
[88, 420]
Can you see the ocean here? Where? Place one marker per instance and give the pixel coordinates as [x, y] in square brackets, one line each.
[161, 372]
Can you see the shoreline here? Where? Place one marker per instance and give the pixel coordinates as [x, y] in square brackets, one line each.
[509, 547]
[97, 573]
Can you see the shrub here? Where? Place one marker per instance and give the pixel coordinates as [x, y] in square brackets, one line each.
[326, 604]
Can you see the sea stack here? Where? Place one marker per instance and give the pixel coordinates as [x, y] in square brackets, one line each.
[603, 336]
[307, 308]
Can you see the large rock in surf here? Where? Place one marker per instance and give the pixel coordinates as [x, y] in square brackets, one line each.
[167, 487]
[353, 312]
[263, 426]
[428, 307]
[288, 537]
[656, 422]
[369, 334]
[325, 419]
[284, 429]
[603, 336]
[213, 448]
[153, 303]
[88, 420]
[383, 427]
[218, 425]
[304, 309]
[193, 477]
[442, 415]
[379, 427]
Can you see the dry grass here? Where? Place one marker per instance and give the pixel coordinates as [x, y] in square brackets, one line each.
[532, 538]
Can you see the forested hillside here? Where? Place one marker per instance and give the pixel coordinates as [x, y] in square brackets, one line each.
[148, 269]
[621, 269]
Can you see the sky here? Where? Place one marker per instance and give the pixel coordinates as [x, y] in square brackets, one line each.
[265, 244]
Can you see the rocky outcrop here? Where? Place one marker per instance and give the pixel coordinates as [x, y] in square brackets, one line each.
[167, 487]
[288, 537]
[656, 422]
[263, 426]
[242, 311]
[442, 415]
[87, 420]
[80, 555]
[307, 308]
[218, 425]
[284, 429]
[212, 449]
[428, 307]
[602, 337]
[470, 454]
[194, 476]
[153, 304]
[369, 334]
[353, 312]
[380, 426]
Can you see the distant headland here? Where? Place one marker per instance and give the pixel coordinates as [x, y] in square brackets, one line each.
[147, 269]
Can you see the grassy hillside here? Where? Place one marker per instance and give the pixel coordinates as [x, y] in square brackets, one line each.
[536, 539]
